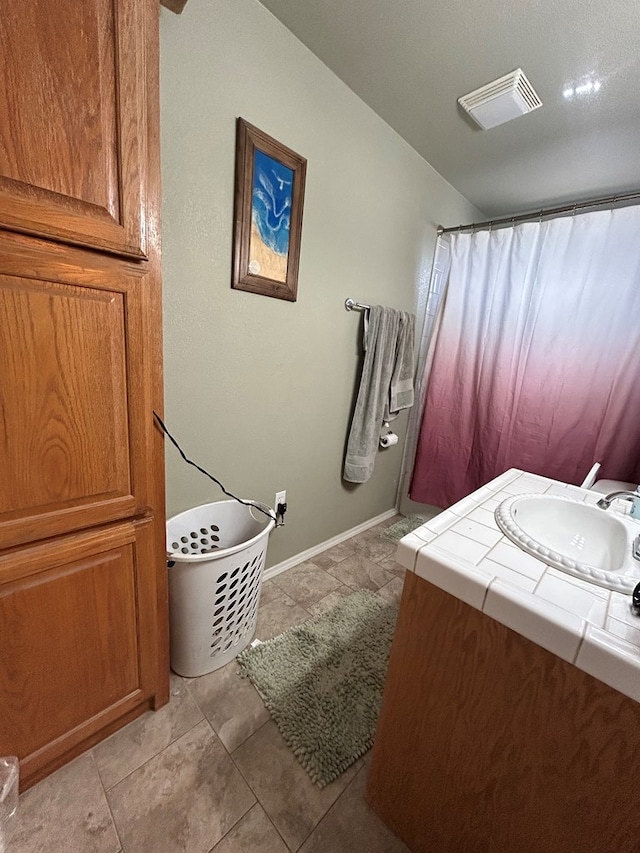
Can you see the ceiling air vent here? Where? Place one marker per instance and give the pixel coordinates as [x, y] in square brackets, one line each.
[503, 99]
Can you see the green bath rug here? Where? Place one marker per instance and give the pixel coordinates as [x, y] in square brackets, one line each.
[402, 527]
[322, 681]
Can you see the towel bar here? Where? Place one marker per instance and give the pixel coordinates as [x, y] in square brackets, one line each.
[350, 305]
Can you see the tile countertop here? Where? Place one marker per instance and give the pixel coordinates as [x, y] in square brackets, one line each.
[463, 552]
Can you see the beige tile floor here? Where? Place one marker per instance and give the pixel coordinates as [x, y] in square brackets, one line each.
[209, 772]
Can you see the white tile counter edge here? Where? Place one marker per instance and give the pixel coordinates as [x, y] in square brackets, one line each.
[457, 556]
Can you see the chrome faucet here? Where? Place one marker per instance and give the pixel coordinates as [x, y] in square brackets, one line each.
[605, 503]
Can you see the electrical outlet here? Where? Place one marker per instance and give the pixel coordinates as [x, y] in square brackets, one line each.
[281, 498]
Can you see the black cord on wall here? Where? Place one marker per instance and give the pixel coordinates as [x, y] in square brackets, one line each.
[203, 471]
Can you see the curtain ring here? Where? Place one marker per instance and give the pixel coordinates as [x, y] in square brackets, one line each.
[573, 212]
[540, 217]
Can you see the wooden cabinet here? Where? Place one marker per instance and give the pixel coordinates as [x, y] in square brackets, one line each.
[83, 622]
[488, 743]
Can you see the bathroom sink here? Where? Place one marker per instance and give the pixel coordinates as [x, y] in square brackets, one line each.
[580, 539]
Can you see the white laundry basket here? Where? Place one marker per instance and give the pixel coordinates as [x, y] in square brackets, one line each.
[215, 557]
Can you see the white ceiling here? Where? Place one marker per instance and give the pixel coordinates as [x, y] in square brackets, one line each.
[411, 59]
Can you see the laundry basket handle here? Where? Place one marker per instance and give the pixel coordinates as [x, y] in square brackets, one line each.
[266, 510]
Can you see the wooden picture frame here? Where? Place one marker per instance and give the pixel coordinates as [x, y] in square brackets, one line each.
[269, 196]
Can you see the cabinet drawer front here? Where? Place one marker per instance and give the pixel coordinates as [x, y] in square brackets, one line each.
[72, 140]
[68, 641]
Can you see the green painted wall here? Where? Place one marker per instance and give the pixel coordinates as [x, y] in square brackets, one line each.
[259, 390]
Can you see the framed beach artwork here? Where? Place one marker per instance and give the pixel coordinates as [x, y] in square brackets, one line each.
[269, 196]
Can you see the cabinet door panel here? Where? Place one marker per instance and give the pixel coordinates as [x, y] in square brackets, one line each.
[64, 397]
[68, 641]
[72, 147]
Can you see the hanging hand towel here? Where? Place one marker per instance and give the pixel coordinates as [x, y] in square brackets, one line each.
[401, 389]
[387, 357]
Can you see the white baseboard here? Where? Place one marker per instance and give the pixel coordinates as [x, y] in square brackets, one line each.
[323, 546]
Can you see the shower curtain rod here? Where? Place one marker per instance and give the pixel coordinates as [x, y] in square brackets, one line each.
[549, 211]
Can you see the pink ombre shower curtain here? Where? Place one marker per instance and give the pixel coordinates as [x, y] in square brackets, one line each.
[537, 359]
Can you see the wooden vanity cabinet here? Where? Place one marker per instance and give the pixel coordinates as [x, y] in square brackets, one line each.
[83, 597]
[487, 743]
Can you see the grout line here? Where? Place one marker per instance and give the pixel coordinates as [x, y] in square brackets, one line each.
[156, 754]
[268, 816]
[232, 827]
[486, 593]
[216, 736]
[106, 799]
[314, 569]
[258, 805]
[246, 780]
[245, 739]
[260, 727]
[303, 556]
[335, 802]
